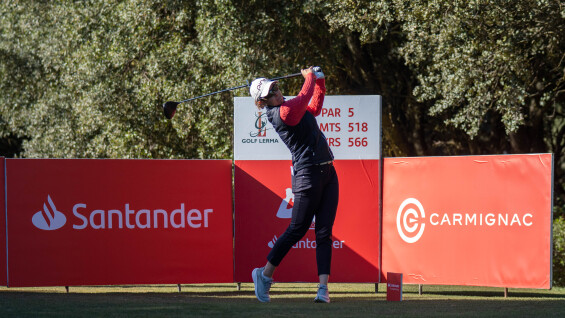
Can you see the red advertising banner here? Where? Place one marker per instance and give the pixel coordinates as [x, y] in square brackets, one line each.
[264, 198]
[476, 220]
[263, 204]
[3, 260]
[91, 222]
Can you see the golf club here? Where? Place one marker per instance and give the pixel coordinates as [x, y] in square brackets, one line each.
[169, 108]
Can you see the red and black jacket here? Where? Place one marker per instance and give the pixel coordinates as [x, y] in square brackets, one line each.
[295, 122]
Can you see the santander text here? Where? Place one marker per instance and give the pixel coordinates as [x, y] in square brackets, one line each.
[142, 219]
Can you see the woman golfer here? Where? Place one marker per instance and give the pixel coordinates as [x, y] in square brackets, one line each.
[314, 181]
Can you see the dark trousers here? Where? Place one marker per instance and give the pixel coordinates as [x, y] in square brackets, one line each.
[316, 193]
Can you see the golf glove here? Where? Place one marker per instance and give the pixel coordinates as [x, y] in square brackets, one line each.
[318, 72]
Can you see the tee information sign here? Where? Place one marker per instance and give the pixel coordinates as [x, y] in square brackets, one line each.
[351, 124]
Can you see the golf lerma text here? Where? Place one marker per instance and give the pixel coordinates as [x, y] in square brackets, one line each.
[260, 141]
[142, 219]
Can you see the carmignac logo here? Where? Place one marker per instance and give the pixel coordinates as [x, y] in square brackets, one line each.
[408, 220]
[49, 219]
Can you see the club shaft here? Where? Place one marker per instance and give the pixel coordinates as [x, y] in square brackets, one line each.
[213, 93]
[286, 76]
[237, 87]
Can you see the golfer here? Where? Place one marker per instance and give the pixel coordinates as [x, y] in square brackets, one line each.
[314, 180]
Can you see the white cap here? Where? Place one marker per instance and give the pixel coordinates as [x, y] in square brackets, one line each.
[260, 88]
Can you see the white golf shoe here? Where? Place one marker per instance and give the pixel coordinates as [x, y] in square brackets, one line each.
[262, 285]
[323, 295]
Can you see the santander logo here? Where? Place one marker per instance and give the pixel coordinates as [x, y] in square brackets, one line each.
[285, 212]
[52, 219]
[49, 219]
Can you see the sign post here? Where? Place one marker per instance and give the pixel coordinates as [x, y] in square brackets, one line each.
[264, 198]
[3, 225]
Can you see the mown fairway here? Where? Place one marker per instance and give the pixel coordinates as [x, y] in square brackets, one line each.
[288, 300]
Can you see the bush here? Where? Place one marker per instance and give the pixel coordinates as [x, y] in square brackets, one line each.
[559, 251]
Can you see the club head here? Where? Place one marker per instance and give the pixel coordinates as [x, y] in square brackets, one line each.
[169, 109]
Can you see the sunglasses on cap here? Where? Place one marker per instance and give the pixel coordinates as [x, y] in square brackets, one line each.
[272, 92]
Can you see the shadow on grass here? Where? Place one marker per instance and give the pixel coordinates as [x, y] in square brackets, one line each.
[283, 304]
[220, 304]
[493, 293]
[486, 292]
[308, 294]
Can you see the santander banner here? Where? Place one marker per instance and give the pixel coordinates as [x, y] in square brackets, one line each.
[264, 198]
[476, 220]
[91, 222]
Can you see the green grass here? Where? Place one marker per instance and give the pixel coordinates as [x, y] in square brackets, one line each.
[288, 300]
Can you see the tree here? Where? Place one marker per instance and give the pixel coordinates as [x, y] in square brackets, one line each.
[493, 70]
[87, 79]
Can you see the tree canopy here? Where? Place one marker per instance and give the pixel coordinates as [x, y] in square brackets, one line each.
[86, 79]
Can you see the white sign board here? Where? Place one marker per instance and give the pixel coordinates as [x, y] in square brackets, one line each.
[351, 124]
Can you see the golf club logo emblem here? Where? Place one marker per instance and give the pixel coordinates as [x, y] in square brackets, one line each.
[49, 219]
[260, 84]
[409, 220]
[260, 125]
